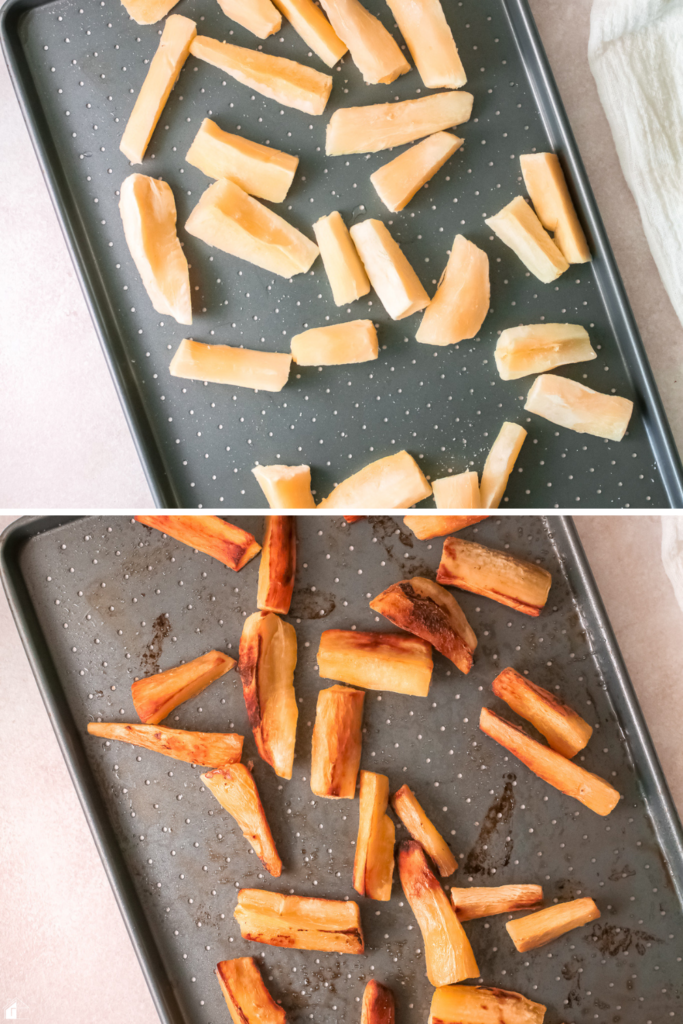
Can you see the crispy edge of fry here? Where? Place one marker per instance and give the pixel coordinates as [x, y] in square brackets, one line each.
[551, 923]
[564, 729]
[226, 972]
[277, 568]
[446, 573]
[427, 527]
[378, 1004]
[151, 710]
[408, 808]
[477, 901]
[181, 744]
[262, 839]
[212, 535]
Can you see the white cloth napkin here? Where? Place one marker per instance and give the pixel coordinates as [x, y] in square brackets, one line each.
[672, 553]
[635, 52]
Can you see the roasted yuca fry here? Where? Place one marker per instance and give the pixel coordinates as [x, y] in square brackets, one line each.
[430, 41]
[427, 527]
[278, 565]
[373, 866]
[564, 729]
[550, 766]
[228, 543]
[411, 813]
[213, 749]
[337, 742]
[472, 1004]
[485, 901]
[235, 789]
[500, 462]
[156, 696]
[248, 999]
[422, 607]
[448, 954]
[378, 1004]
[545, 925]
[377, 661]
[299, 922]
[495, 574]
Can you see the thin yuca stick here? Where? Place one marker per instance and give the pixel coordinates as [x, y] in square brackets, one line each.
[207, 748]
[472, 1004]
[156, 696]
[427, 527]
[564, 729]
[544, 926]
[410, 811]
[495, 574]
[487, 900]
[235, 789]
[228, 543]
[278, 565]
[248, 999]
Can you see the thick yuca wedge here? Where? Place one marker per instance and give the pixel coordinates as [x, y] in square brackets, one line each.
[266, 667]
[228, 543]
[286, 486]
[156, 696]
[248, 999]
[378, 1004]
[397, 182]
[500, 462]
[576, 407]
[540, 347]
[448, 954]
[430, 41]
[395, 481]
[148, 213]
[376, 661]
[231, 220]
[472, 1004]
[399, 288]
[374, 51]
[148, 12]
[423, 831]
[495, 574]
[548, 190]
[299, 922]
[545, 925]
[373, 866]
[259, 170]
[384, 125]
[518, 226]
[427, 527]
[353, 342]
[278, 78]
[212, 749]
[278, 565]
[458, 491]
[343, 265]
[239, 367]
[564, 729]
[166, 65]
[308, 20]
[485, 901]
[422, 607]
[234, 788]
[337, 742]
[462, 299]
[550, 766]
[257, 16]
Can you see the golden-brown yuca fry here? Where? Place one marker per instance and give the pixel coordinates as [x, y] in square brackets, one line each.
[278, 565]
[564, 729]
[545, 925]
[155, 697]
[213, 749]
[266, 666]
[299, 922]
[428, 527]
[408, 809]
[422, 607]
[496, 574]
[377, 661]
[550, 766]
[448, 954]
[487, 900]
[373, 866]
[248, 999]
[473, 1004]
[337, 742]
[378, 1004]
[228, 543]
[235, 789]
[353, 519]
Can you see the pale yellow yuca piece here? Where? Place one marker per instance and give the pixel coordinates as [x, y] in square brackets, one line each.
[472, 1004]
[374, 51]
[343, 265]
[308, 20]
[540, 347]
[430, 41]
[500, 462]
[518, 226]
[148, 213]
[353, 342]
[285, 486]
[570, 404]
[548, 190]
[239, 367]
[260, 170]
[384, 125]
[458, 491]
[395, 481]
[399, 288]
[257, 16]
[397, 182]
[166, 65]
[235, 222]
[286, 81]
[148, 12]
[544, 926]
[462, 299]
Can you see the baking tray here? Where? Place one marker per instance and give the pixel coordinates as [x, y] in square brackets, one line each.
[163, 603]
[77, 68]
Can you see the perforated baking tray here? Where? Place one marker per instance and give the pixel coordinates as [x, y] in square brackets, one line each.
[77, 68]
[100, 601]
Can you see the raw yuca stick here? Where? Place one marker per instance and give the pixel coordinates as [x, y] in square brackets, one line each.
[336, 344]
[565, 730]
[378, 1004]
[423, 831]
[426, 527]
[308, 20]
[384, 125]
[337, 742]
[572, 405]
[374, 51]
[261, 171]
[148, 12]
[430, 41]
[156, 696]
[548, 190]
[234, 788]
[238, 367]
[278, 565]
[550, 766]
[539, 347]
[373, 865]
[458, 491]
[518, 226]
[462, 298]
[377, 661]
[285, 486]
[544, 926]
[485, 901]
[399, 288]
[248, 999]
[398, 181]
[343, 265]
[228, 543]
[396, 481]
[299, 922]
[208, 748]
[500, 462]
[257, 16]
[472, 1004]
[495, 574]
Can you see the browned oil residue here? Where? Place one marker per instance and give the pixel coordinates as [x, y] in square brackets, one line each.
[385, 528]
[161, 627]
[618, 873]
[491, 849]
[307, 604]
[572, 972]
[613, 940]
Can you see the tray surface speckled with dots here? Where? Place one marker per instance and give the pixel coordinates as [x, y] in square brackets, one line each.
[77, 68]
[101, 601]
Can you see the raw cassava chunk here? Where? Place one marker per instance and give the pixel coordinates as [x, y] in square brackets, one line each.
[461, 303]
[375, 52]
[343, 265]
[430, 41]
[570, 404]
[395, 481]
[260, 170]
[353, 342]
[257, 16]
[458, 491]
[308, 20]
[399, 288]
[383, 125]
[285, 486]
[541, 347]
[547, 187]
[397, 182]
[239, 367]
[148, 12]
[518, 226]
[499, 464]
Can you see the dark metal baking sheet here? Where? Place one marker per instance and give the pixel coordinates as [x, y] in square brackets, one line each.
[76, 70]
[102, 600]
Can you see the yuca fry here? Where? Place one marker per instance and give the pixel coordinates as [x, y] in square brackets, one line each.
[473, 1004]
[299, 922]
[378, 1004]
[495, 574]
[278, 565]
[235, 789]
[248, 999]
[564, 729]
[427, 527]
[377, 661]
[545, 925]
[228, 543]
[337, 742]
[213, 749]
[488, 900]
[408, 808]
[155, 697]
[373, 865]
